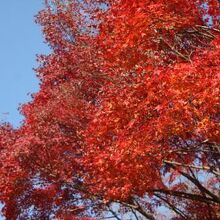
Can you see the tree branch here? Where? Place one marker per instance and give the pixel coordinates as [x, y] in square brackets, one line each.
[192, 166]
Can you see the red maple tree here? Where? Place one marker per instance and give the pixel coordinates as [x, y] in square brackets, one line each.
[127, 118]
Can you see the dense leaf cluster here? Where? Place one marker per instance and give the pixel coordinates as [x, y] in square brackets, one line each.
[127, 119]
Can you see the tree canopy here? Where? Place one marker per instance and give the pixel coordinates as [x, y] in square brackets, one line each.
[127, 119]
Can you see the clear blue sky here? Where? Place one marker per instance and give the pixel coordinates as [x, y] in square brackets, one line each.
[20, 41]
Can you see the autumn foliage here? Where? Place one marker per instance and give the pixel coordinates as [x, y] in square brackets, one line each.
[127, 119]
